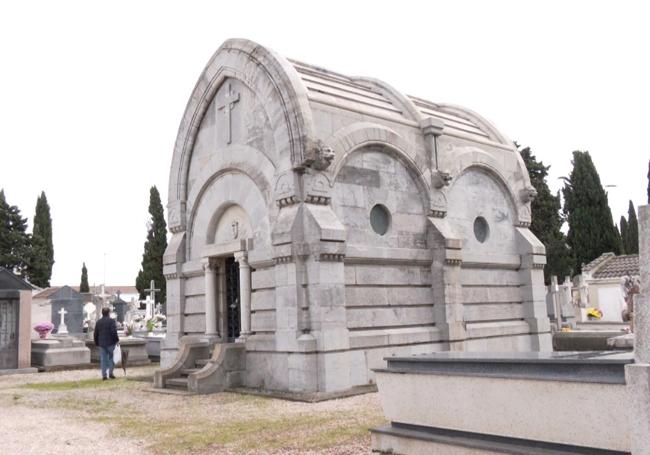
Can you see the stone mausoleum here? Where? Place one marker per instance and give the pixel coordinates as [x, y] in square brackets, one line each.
[322, 222]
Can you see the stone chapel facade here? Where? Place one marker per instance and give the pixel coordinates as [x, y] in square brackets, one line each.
[326, 222]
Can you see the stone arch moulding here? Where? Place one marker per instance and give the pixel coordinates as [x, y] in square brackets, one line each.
[240, 159]
[266, 74]
[218, 230]
[229, 187]
[353, 138]
[486, 163]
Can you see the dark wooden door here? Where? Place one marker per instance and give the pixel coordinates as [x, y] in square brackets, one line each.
[8, 334]
[233, 305]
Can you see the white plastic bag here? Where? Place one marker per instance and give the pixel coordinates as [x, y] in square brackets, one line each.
[117, 354]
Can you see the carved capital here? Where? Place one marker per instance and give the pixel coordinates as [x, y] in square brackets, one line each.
[209, 266]
[332, 257]
[319, 155]
[434, 213]
[440, 179]
[432, 125]
[527, 194]
[242, 258]
[283, 259]
[176, 216]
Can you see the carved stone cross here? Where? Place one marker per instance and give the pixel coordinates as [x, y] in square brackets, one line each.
[227, 105]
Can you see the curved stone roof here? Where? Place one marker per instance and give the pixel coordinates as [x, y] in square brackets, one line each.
[367, 95]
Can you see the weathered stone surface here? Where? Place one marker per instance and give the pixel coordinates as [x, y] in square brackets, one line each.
[353, 221]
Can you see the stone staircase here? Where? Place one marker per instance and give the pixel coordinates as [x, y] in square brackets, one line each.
[202, 366]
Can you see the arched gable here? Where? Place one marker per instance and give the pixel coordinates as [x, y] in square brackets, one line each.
[272, 78]
[228, 187]
[352, 138]
[477, 158]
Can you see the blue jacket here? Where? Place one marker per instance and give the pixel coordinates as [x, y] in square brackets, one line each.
[106, 332]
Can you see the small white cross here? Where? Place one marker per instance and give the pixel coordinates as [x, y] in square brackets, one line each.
[62, 327]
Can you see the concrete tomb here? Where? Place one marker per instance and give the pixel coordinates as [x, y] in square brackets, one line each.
[323, 222]
[15, 323]
[59, 352]
[523, 403]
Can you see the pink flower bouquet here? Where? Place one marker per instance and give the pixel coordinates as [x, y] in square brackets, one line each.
[43, 328]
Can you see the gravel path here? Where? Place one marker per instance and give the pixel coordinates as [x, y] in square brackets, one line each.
[72, 412]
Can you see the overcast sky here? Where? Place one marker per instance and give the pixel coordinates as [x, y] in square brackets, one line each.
[92, 93]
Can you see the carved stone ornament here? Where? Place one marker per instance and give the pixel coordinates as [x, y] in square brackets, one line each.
[235, 229]
[319, 156]
[440, 179]
[528, 194]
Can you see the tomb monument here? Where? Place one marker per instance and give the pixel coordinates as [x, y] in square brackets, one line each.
[321, 222]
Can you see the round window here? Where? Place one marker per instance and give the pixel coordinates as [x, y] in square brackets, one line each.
[379, 219]
[481, 229]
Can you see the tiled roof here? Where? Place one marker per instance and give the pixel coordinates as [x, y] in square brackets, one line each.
[596, 262]
[45, 293]
[619, 266]
[112, 290]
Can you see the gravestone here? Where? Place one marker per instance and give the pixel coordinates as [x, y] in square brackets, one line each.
[72, 302]
[120, 308]
[15, 322]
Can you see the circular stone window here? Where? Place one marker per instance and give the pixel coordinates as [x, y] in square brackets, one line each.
[481, 229]
[379, 219]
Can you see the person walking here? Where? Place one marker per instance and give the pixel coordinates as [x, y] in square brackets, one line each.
[106, 338]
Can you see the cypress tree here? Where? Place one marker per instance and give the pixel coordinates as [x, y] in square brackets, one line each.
[42, 254]
[591, 229]
[154, 248]
[83, 286]
[623, 233]
[546, 219]
[15, 242]
[631, 239]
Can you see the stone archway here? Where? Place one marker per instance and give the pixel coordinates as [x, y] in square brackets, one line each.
[228, 275]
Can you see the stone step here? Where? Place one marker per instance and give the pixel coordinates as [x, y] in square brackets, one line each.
[201, 362]
[188, 371]
[177, 383]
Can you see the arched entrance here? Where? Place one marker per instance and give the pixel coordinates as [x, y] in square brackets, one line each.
[228, 275]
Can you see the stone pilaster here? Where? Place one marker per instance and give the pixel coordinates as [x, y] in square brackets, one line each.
[637, 375]
[244, 295]
[210, 272]
[446, 285]
[533, 291]
[175, 305]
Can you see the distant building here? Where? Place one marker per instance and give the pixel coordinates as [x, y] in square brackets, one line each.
[601, 279]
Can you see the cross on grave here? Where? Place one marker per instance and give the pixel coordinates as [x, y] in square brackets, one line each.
[62, 330]
[149, 308]
[152, 290]
[228, 105]
[104, 298]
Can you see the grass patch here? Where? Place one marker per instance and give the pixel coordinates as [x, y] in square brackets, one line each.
[90, 405]
[175, 437]
[76, 385]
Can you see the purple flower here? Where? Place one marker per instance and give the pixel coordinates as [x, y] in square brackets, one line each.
[43, 327]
